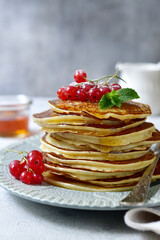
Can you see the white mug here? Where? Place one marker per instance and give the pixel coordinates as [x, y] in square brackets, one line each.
[145, 79]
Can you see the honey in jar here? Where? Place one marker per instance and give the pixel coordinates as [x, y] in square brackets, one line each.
[14, 115]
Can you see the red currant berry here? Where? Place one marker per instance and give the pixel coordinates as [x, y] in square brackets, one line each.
[94, 94]
[38, 168]
[23, 163]
[34, 161]
[115, 86]
[81, 95]
[25, 168]
[15, 168]
[37, 178]
[71, 92]
[35, 153]
[61, 93]
[105, 89]
[80, 76]
[87, 86]
[26, 177]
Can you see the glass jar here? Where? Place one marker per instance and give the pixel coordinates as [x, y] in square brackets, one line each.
[14, 115]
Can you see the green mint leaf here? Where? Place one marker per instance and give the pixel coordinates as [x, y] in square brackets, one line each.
[126, 94]
[109, 100]
[116, 100]
[112, 93]
[105, 102]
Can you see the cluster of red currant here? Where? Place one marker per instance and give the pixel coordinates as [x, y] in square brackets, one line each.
[29, 170]
[83, 90]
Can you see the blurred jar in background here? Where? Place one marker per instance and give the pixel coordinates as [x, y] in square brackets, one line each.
[14, 115]
[145, 79]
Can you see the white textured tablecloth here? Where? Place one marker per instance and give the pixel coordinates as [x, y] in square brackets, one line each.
[25, 220]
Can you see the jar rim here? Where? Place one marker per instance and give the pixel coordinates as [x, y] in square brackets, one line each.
[14, 100]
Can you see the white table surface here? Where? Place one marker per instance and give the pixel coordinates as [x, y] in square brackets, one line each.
[21, 219]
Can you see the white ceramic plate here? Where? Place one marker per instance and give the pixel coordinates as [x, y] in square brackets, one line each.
[56, 196]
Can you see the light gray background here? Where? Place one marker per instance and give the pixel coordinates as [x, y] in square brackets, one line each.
[42, 42]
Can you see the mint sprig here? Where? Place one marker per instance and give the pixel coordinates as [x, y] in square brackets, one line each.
[116, 98]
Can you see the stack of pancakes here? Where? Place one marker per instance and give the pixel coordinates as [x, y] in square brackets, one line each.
[89, 149]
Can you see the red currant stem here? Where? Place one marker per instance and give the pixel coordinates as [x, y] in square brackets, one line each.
[121, 78]
[107, 80]
[97, 80]
[80, 84]
[116, 76]
[102, 85]
[93, 81]
[29, 169]
[24, 158]
[113, 77]
[20, 152]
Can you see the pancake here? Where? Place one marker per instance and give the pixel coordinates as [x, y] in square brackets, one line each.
[102, 166]
[66, 143]
[137, 134]
[91, 130]
[121, 181]
[106, 185]
[48, 144]
[92, 170]
[142, 145]
[50, 117]
[86, 175]
[128, 110]
[61, 181]
[102, 185]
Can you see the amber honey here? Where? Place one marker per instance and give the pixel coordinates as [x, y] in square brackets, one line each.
[14, 115]
[14, 124]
